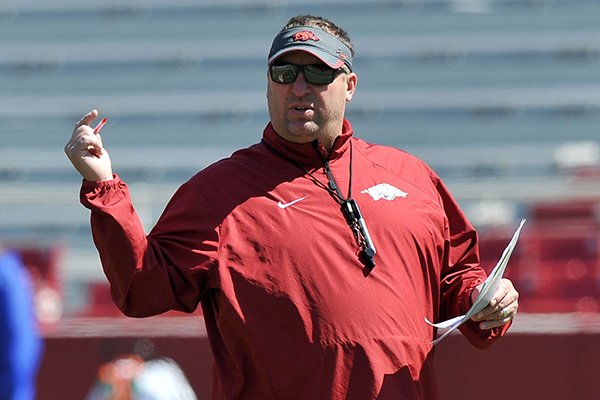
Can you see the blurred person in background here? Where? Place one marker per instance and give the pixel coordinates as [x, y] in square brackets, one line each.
[21, 344]
[315, 256]
[130, 377]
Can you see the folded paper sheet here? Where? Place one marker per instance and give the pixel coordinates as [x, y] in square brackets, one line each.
[487, 290]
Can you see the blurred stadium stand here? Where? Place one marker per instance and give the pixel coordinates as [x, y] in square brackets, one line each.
[501, 98]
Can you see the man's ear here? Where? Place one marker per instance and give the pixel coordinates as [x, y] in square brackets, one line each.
[351, 82]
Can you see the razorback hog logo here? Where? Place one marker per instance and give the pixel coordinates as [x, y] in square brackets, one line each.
[304, 36]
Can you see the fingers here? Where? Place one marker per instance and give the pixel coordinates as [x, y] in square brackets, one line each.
[87, 119]
[498, 318]
[85, 140]
[83, 125]
[86, 151]
[84, 144]
[505, 294]
[502, 308]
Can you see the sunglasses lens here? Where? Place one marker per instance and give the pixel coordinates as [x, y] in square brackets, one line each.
[284, 73]
[317, 74]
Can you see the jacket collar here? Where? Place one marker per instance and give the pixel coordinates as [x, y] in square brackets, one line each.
[305, 153]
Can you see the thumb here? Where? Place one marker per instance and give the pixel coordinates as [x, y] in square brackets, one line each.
[475, 292]
[87, 118]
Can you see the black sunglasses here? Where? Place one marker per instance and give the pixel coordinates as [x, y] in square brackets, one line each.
[315, 74]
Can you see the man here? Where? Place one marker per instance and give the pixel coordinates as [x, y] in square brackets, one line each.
[316, 256]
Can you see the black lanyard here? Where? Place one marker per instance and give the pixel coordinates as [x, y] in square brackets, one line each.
[348, 205]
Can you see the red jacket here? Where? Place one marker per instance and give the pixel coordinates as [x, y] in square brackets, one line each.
[288, 311]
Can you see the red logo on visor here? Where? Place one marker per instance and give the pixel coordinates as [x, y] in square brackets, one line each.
[304, 36]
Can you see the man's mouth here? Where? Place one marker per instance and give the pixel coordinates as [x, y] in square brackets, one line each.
[301, 108]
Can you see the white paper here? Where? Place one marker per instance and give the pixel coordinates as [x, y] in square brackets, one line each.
[487, 290]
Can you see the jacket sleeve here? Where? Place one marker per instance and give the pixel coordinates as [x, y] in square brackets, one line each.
[461, 271]
[165, 270]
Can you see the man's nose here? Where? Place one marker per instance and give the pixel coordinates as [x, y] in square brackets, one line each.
[300, 87]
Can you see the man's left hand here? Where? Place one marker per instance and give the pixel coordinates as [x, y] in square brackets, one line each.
[502, 308]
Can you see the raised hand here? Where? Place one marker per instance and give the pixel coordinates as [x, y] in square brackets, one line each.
[86, 151]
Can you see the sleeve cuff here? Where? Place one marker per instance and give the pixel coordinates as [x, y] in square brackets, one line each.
[101, 194]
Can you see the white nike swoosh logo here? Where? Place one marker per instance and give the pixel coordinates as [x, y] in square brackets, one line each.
[291, 203]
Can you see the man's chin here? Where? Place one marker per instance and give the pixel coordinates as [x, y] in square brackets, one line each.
[303, 129]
